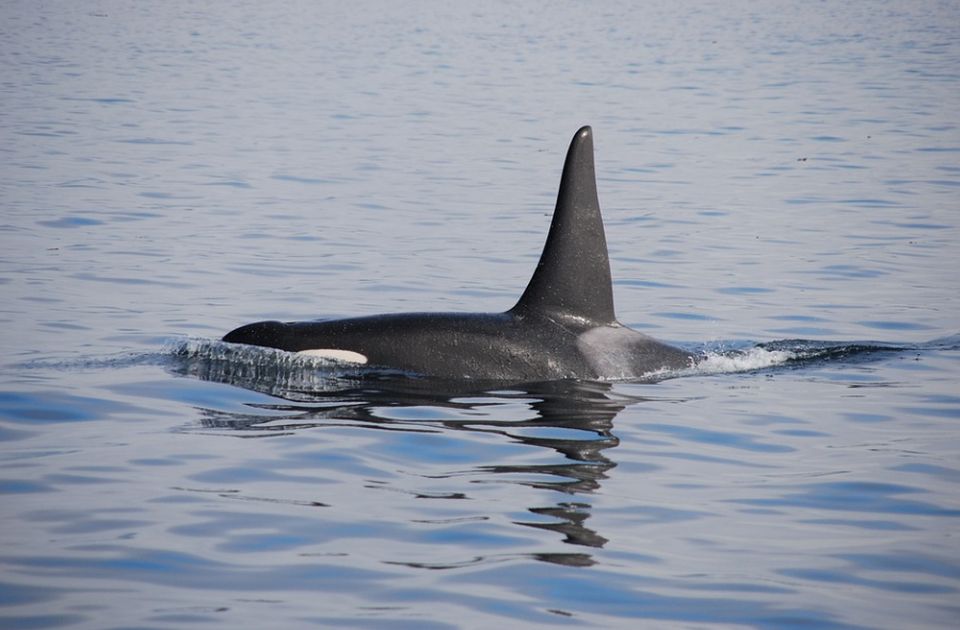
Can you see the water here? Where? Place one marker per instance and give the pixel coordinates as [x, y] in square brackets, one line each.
[779, 174]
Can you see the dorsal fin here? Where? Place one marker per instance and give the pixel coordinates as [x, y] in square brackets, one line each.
[572, 279]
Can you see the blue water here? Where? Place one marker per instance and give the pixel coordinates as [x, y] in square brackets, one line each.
[782, 174]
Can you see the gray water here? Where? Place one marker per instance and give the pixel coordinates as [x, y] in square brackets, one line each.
[769, 172]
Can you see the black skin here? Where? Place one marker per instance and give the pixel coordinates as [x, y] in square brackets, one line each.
[489, 346]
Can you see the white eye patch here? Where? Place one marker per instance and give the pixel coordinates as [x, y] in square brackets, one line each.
[347, 356]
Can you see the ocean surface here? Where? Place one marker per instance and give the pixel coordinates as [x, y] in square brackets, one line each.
[781, 189]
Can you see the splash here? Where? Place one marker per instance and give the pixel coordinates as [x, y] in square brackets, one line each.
[266, 370]
[790, 352]
[749, 360]
[216, 350]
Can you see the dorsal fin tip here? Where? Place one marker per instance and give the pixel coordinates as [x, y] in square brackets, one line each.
[572, 279]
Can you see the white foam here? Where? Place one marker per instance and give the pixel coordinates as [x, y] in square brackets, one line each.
[741, 361]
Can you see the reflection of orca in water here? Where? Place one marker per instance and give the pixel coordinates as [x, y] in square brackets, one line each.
[563, 326]
[573, 419]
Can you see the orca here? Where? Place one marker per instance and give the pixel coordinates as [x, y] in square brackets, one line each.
[562, 327]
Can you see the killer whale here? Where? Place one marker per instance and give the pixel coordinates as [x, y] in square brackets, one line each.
[562, 327]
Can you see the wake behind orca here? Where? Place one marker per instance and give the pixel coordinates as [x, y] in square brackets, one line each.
[563, 326]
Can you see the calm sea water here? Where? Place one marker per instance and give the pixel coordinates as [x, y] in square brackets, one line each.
[769, 172]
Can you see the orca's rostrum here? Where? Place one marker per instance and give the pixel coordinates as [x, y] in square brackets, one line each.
[562, 327]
